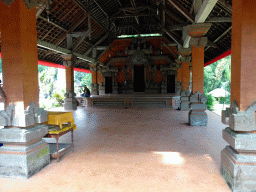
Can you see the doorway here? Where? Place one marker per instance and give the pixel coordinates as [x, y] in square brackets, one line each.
[138, 78]
[108, 85]
[170, 83]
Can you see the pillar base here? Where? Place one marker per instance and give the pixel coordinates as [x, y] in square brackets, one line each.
[238, 170]
[175, 102]
[197, 115]
[197, 118]
[115, 89]
[184, 105]
[94, 89]
[24, 153]
[70, 104]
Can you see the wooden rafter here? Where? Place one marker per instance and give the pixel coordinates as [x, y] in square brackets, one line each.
[181, 9]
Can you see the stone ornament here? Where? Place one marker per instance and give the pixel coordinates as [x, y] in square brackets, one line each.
[186, 59]
[14, 115]
[198, 42]
[184, 51]
[239, 120]
[197, 114]
[69, 60]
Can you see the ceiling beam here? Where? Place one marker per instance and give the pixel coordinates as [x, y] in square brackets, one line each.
[135, 9]
[219, 19]
[170, 35]
[182, 10]
[134, 15]
[39, 10]
[225, 5]
[61, 50]
[97, 43]
[72, 29]
[86, 9]
[201, 16]
[205, 10]
[53, 23]
[220, 36]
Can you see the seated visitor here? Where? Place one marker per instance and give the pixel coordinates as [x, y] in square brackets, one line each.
[86, 92]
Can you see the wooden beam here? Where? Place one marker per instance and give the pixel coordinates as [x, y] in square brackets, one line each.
[220, 36]
[201, 16]
[226, 5]
[39, 10]
[134, 15]
[183, 11]
[97, 43]
[219, 19]
[53, 23]
[205, 10]
[103, 9]
[71, 29]
[170, 35]
[86, 9]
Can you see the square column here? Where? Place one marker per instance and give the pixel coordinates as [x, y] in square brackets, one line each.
[19, 53]
[70, 102]
[238, 165]
[198, 42]
[23, 152]
[95, 86]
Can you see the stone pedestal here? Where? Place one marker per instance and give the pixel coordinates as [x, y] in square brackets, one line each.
[94, 89]
[176, 102]
[70, 102]
[184, 100]
[102, 89]
[238, 160]
[197, 115]
[24, 152]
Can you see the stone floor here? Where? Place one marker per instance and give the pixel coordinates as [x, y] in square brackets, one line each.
[134, 150]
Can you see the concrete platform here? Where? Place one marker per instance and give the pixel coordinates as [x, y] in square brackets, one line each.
[134, 149]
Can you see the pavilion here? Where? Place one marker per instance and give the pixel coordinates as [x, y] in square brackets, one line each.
[136, 47]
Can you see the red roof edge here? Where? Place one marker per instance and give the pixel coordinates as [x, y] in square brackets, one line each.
[218, 58]
[48, 64]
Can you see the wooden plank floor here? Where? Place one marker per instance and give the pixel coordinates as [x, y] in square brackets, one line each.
[144, 150]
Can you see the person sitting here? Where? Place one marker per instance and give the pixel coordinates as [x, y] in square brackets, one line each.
[86, 92]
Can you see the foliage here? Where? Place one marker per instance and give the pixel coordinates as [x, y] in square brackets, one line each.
[210, 102]
[59, 100]
[218, 75]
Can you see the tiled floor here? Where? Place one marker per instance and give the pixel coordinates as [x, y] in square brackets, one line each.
[137, 150]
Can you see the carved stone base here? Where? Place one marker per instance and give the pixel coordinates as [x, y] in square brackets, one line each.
[94, 89]
[184, 105]
[238, 170]
[197, 118]
[102, 92]
[70, 104]
[24, 152]
[175, 102]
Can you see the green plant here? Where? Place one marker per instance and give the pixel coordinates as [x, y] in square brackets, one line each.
[210, 102]
[59, 99]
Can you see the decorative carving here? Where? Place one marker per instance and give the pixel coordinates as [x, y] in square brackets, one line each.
[186, 59]
[69, 60]
[29, 3]
[184, 51]
[198, 42]
[14, 115]
[198, 29]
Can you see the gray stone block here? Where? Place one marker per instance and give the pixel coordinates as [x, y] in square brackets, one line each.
[70, 104]
[242, 121]
[238, 170]
[24, 162]
[184, 106]
[23, 135]
[197, 118]
[245, 141]
[184, 98]
[198, 106]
